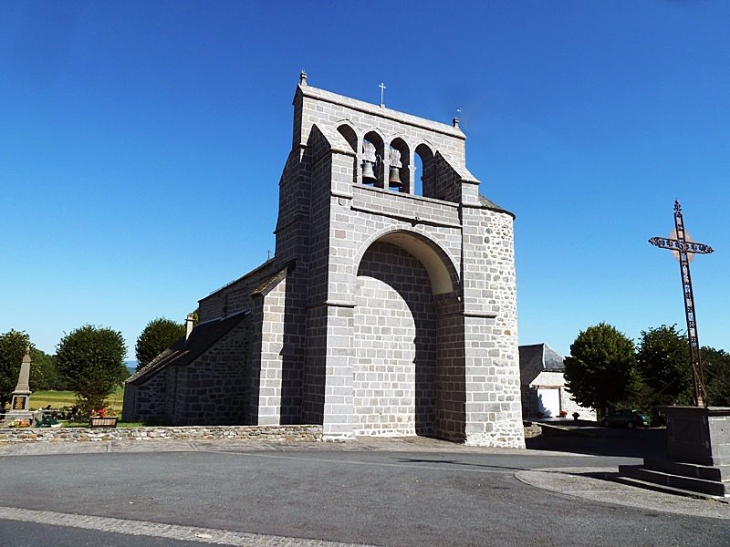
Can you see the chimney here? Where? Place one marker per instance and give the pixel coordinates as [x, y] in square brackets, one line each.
[188, 326]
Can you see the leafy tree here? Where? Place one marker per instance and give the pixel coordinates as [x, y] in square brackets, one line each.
[717, 375]
[13, 345]
[601, 369]
[92, 360]
[124, 374]
[43, 373]
[157, 336]
[663, 362]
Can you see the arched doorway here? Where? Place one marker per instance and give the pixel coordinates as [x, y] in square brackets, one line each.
[396, 336]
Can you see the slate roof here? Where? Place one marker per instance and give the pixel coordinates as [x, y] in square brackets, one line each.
[538, 358]
[183, 352]
[489, 204]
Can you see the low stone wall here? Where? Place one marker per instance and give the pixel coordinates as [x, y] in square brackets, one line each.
[296, 433]
[532, 430]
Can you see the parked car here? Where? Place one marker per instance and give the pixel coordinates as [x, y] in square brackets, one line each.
[627, 417]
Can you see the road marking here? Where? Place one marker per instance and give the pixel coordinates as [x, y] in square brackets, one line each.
[170, 531]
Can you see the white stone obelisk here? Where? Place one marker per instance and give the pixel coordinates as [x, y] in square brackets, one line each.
[20, 403]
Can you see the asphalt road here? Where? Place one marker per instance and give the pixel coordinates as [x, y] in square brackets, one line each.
[378, 493]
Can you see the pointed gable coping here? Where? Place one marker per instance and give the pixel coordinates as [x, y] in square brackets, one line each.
[334, 139]
[270, 283]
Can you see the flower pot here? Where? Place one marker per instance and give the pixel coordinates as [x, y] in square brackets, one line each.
[102, 422]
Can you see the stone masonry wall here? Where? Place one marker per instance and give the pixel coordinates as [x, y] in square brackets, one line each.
[314, 398]
[270, 356]
[369, 216]
[493, 408]
[451, 381]
[211, 390]
[301, 433]
[292, 253]
[315, 371]
[235, 296]
[147, 401]
[394, 370]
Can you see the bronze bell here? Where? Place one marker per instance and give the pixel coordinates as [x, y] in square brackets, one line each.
[394, 178]
[368, 175]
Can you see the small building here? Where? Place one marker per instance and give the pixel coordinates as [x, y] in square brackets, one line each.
[542, 378]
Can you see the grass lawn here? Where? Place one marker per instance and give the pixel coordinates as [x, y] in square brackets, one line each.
[59, 399]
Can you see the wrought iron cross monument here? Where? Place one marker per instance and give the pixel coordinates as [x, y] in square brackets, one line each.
[682, 247]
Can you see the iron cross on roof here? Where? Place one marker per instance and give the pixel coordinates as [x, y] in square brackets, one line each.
[683, 248]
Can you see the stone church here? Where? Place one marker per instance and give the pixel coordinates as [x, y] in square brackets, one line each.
[389, 307]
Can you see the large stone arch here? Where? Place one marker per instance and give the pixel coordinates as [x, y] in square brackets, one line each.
[440, 265]
[397, 387]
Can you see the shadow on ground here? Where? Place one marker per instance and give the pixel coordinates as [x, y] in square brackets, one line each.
[602, 441]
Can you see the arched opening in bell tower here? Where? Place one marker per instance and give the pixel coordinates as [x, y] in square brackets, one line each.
[399, 167]
[426, 185]
[351, 137]
[371, 160]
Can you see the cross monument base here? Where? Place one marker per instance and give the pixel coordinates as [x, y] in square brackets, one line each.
[698, 452]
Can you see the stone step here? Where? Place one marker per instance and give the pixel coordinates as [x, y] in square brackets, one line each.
[637, 483]
[690, 484]
[706, 472]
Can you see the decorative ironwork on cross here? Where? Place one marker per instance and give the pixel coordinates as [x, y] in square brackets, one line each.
[683, 248]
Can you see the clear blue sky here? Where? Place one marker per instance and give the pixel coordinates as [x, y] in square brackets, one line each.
[141, 145]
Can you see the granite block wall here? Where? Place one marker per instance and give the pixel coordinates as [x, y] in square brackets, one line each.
[211, 390]
[395, 339]
[147, 402]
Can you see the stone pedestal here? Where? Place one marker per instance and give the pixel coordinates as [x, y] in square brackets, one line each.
[698, 452]
[20, 403]
[698, 435]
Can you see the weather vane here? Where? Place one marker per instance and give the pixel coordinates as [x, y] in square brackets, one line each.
[682, 247]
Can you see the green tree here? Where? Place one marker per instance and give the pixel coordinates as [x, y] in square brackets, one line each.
[43, 373]
[92, 360]
[663, 363]
[157, 336]
[601, 369]
[717, 376]
[13, 345]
